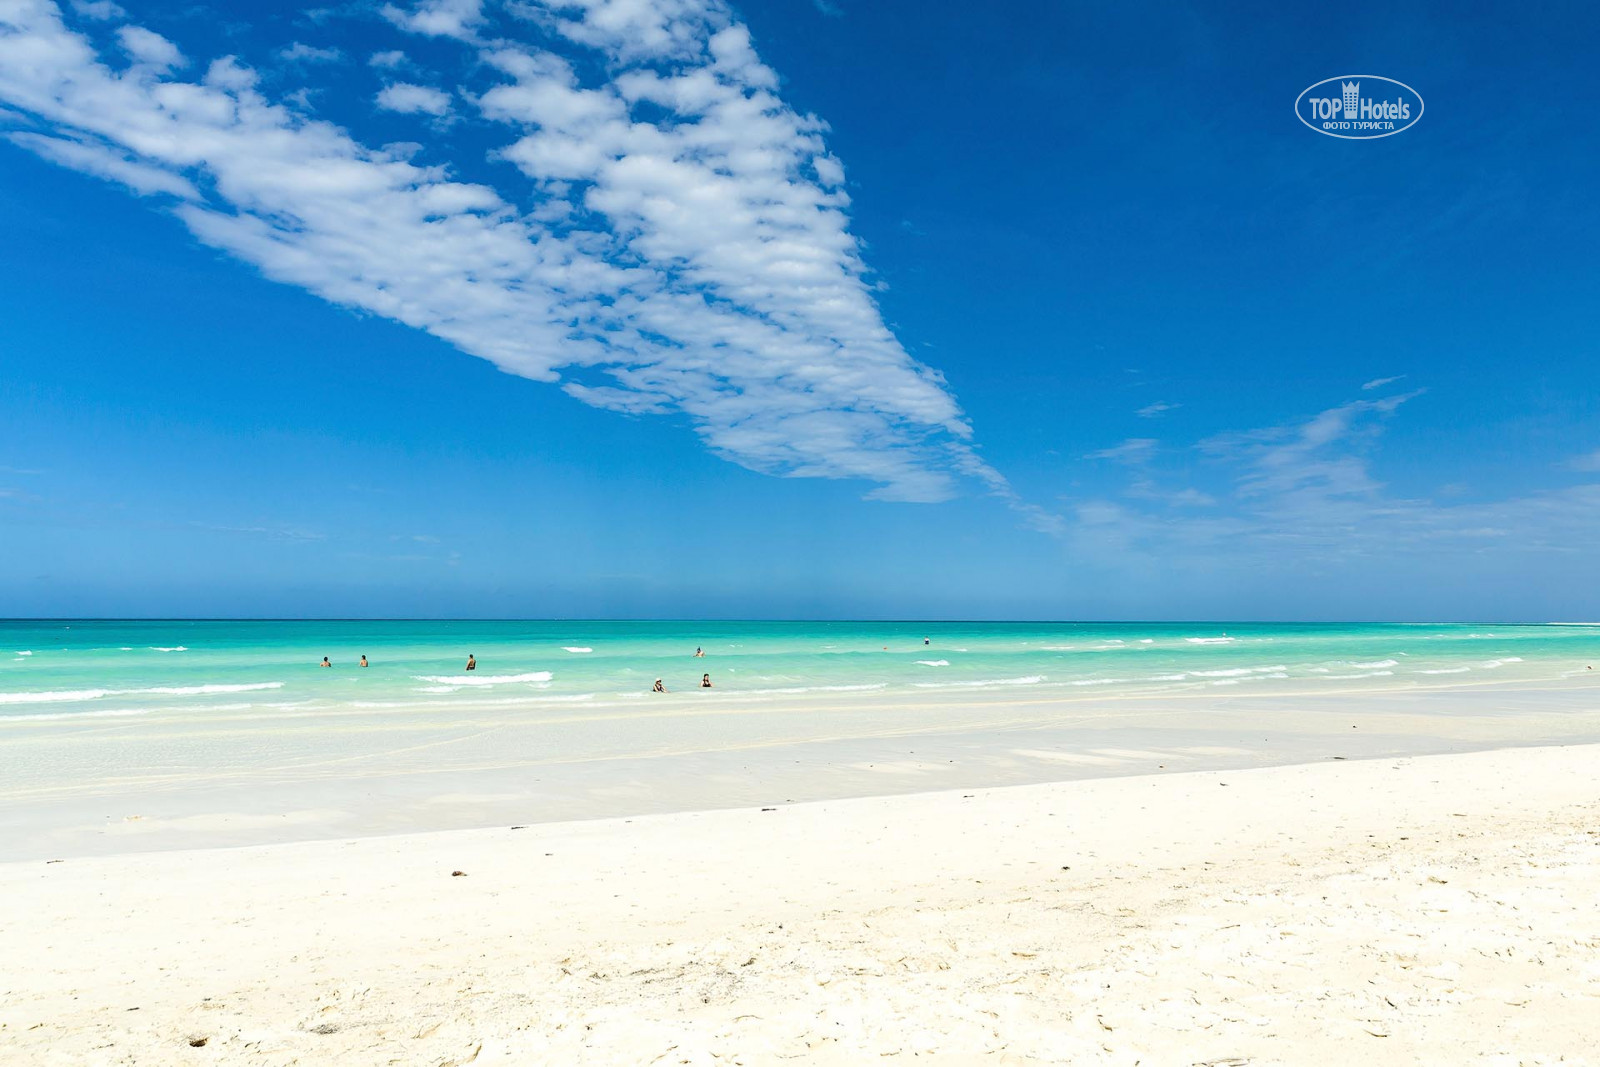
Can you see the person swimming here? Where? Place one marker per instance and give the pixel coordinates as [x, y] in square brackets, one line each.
[705, 681]
[324, 662]
[472, 662]
[658, 687]
[699, 653]
[363, 661]
[925, 641]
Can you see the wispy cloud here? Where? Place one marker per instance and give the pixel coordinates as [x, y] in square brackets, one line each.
[1379, 383]
[687, 249]
[1133, 450]
[299, 52]
[1589, 462]
[100, 10]
[1304, 494]
[1159, 408]
[272, 531]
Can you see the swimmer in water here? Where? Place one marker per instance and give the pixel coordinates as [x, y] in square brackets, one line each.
[658, 687]
[705, 681]
[924, 640]
[324, 662]
[472, 662]
[699, 653]
[363, 661]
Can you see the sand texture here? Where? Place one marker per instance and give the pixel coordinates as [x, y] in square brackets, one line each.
[1441, 910]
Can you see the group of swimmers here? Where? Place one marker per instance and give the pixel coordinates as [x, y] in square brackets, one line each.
[472, 662]
[659, 687]
[705, 679]
[705, 683]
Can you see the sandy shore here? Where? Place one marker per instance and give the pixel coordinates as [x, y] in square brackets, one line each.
[186, 780]
[1439, 909]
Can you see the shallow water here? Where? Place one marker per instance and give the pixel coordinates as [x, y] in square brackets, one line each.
[119, 735]
[69, 669]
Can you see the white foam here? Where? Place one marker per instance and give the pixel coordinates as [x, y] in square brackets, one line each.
[1451, 670]
[934, 662]
[1368, 674]
[1376, 664]
[576, 648]
[175, 648]
[485, 679]
[120, 713]
[1032, 679]
[192, 690]
[53, 696]
[1209, 640]
[1147, 640]
[1493, 663]
[69, 695]
[1237, 672]
[24, 653]
[1166, 678]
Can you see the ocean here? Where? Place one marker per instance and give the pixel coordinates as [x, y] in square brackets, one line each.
[118, 735]
[62, 670]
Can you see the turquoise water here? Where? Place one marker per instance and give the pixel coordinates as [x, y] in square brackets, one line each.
[69, 670]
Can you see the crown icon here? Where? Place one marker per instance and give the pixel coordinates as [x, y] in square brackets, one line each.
[1352, 98]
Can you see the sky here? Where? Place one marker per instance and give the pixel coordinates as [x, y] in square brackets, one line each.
[794, 309]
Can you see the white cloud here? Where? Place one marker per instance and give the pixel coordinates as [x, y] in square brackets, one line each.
[104, 162]
[388, 60]
[149, 48]
[1379, 383]
[632, 30]
[101, 10]
[305, 53]
[1160, 407]
[437, 18]
[688, 250]
[413, 99]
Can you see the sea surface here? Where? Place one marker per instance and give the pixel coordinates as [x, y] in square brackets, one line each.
[67, 669]
[170, 734]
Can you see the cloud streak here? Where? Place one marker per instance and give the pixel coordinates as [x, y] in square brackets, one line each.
[673, 239]
[1303, 495]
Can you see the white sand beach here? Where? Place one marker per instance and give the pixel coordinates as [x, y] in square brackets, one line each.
[1438, 909]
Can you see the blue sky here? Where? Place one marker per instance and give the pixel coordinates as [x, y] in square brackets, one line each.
[795, 308]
